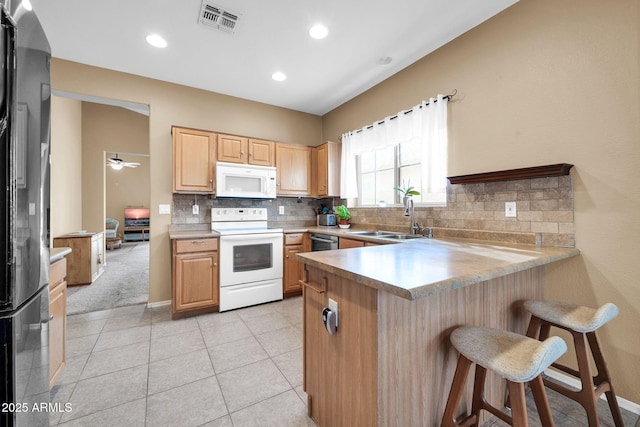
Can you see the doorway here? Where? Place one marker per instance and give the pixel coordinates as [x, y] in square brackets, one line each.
[85, 132]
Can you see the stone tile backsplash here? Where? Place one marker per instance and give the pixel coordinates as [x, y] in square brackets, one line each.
[298, 212]
[544, 208]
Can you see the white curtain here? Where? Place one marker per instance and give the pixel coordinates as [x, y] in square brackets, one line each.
[426, 122]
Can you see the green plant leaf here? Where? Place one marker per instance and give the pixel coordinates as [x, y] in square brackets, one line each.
[343, 212]
[409, 191]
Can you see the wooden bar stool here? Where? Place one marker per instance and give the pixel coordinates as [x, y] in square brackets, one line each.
[582, 323]
[516, 358]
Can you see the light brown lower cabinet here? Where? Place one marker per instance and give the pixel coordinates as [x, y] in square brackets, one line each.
[390, 363]
[345, 243]
[294, 243]
[195, 284]
[57, 319]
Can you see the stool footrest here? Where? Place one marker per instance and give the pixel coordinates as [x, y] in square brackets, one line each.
[566, 370]
[498, 413]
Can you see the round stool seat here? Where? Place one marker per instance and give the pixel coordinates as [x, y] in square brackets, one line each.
[572, 316]
[514, 357]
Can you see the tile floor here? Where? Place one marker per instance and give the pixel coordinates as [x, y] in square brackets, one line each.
[567, 413]
[134, 366]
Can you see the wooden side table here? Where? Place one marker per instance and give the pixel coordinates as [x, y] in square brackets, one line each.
[86, 261]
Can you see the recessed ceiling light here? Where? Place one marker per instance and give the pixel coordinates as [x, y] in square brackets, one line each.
[385, 60]
[27, 4]
[156, 41]
[279, 76]
[318, 31]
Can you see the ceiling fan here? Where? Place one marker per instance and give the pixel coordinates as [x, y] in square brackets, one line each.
[117, 163]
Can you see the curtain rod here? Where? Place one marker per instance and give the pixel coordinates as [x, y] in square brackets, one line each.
[448, 97]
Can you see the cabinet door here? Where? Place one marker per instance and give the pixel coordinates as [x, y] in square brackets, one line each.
[193, 161]
[322, 170]
[293, 269]
[232, 149]
[344, 243]
[57, 328]
[196, 281]
[327, 169]
[261, 152]
[293, 165]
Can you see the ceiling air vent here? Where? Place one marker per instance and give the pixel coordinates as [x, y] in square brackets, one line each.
[218, 18]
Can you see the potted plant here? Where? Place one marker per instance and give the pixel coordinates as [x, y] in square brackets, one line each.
[344, 216]
[406, 193]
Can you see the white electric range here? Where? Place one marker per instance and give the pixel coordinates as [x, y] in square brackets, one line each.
[250, 257]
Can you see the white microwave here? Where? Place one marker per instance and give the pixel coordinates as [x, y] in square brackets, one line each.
[248, 181]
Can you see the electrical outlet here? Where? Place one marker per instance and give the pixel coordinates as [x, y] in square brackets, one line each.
[510, 209]
[196, 209]
[280, 210]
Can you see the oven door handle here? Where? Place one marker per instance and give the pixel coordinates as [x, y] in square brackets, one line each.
[317, 239]
[245, 237]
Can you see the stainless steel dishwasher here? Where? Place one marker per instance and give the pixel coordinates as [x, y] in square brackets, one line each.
[323, 242]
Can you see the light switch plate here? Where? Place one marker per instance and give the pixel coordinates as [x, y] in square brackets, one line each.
[164, 209]
[510, 209]
[280, 210]
[196, 209]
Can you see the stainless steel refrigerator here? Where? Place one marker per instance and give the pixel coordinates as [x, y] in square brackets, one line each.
[25, 99]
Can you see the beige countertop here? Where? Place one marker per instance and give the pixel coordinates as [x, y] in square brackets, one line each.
[78, 234]
[58, 253]
[423, 267]
[192, 234]
[175, 233]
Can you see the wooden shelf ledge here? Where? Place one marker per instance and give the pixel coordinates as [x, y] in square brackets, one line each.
[505, 175]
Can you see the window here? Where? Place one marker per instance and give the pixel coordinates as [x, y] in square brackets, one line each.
[409, 149]
[377, 176]
[400, 166]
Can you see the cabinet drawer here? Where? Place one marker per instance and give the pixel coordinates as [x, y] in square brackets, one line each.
[57, 273]
[196, 245]
[293, 239]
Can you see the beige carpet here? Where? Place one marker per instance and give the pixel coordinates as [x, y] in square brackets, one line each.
[125, 281]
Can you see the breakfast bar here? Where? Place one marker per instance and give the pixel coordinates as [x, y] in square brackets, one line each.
[389, 362]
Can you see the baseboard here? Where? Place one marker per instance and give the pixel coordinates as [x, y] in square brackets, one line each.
[158, 304]
[572, 382]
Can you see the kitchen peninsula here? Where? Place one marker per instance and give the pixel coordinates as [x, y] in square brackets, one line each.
[390, 362]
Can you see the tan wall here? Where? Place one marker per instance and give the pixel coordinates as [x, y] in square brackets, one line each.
[548, 82]
[111, 129]
[172, 104]
[66, 166]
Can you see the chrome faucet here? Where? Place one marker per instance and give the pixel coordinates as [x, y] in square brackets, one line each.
[409, 211]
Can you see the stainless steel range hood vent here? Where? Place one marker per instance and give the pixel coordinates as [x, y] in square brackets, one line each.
[218, 18]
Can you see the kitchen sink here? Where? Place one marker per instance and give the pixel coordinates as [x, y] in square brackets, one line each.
[386, 235]
[374, 233]
[402, 236]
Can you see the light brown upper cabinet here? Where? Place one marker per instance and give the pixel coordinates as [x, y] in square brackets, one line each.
[293, 176]
[262, 152]
[326, 162]
[194, 159]
[239, 149]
